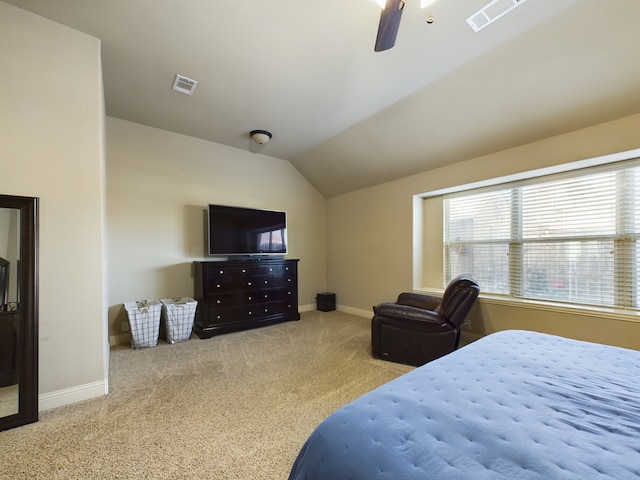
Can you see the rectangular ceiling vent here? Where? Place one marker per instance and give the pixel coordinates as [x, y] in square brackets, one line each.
[492, 12]
[184, 85]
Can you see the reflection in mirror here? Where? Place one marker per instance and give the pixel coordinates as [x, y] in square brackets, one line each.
[9, 255]
[18, 311]
[4, 281]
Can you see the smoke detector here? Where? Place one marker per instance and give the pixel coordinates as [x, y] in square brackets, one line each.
[492, 12]
[184, 85]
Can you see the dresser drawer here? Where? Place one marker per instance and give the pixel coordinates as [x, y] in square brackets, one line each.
[227, 299]
[243, 313]
[231, 270]
[264, 269]
[247, 284]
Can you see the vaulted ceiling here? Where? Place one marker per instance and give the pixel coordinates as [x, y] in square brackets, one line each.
[345, 116]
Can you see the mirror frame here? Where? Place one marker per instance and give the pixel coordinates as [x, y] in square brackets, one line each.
[28, 311]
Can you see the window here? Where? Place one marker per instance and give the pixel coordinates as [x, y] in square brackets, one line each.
[569, 238]
[272, 241]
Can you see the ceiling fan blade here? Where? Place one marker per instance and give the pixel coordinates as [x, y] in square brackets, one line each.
[389, 23]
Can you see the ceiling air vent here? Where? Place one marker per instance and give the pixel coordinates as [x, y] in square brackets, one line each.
[492, 12]
[184, 85]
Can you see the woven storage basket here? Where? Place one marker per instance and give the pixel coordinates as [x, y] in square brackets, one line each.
[178, 315]
[144, 322]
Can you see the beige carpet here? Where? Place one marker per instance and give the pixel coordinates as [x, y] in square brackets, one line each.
[236, 406]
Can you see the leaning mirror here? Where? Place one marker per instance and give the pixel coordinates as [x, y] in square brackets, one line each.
[18, 311]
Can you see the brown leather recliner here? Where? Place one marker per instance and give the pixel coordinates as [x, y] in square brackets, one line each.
[420, 328]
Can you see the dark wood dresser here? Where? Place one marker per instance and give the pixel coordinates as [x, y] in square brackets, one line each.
[241, 294]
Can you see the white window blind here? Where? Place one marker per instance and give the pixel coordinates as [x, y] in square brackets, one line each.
[570, 238]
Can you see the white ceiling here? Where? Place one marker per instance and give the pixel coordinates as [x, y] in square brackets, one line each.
[348, 117]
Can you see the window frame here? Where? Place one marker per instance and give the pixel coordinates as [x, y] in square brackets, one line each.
[424, 276]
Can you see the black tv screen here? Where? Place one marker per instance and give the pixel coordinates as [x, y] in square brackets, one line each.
[246, 231]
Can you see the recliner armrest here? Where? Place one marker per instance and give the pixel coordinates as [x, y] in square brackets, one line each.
[406, 312]
[419, 300]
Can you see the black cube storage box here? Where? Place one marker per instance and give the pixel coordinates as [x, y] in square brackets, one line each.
[326, 302]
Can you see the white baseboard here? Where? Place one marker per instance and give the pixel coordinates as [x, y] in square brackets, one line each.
[356, 311]
[307, 308]
[75, 394]
[121, 339]
[341, 308]
[468, 337]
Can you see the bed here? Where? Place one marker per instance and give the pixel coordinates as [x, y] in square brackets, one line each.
[513, 405]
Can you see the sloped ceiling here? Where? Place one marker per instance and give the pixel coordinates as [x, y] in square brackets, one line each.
[345, 116]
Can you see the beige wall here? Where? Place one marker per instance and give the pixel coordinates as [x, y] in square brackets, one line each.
[371, 247]
[52, 121]
[158, 187]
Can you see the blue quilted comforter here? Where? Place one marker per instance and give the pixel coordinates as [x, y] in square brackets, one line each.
[513, 405]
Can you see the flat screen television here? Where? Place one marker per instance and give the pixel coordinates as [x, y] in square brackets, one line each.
[246, 231]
